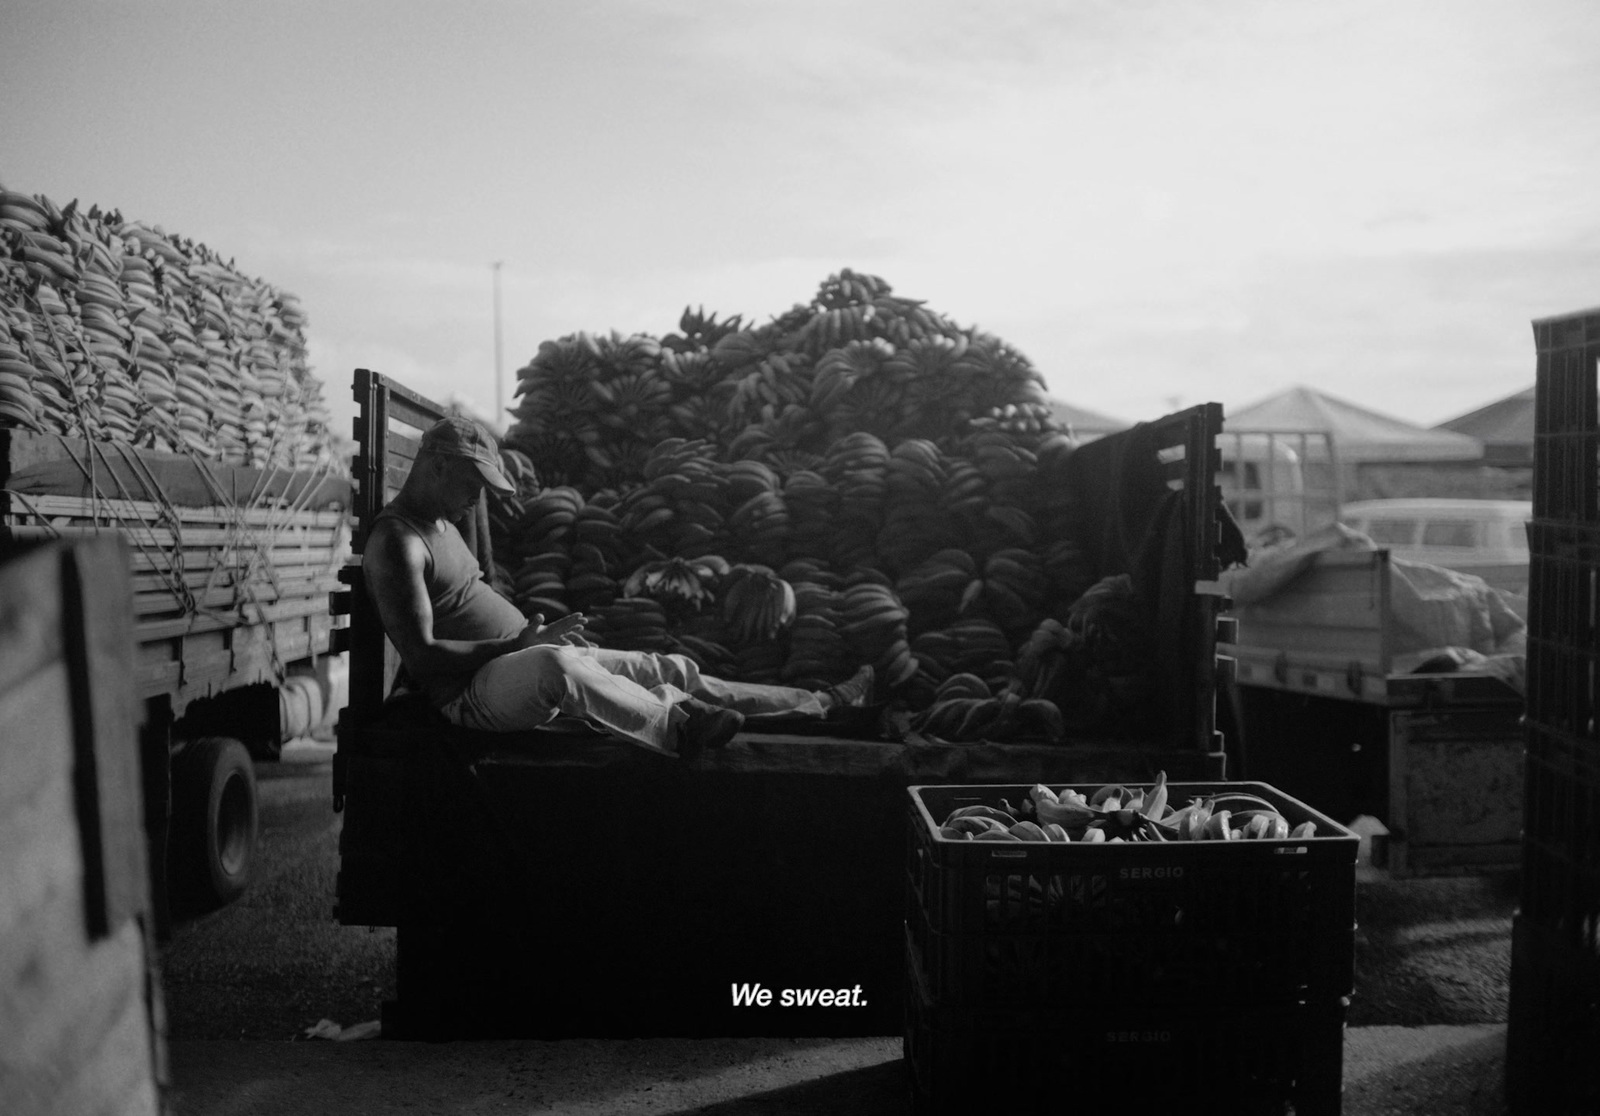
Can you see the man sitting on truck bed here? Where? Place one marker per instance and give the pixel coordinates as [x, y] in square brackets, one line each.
[485, 666]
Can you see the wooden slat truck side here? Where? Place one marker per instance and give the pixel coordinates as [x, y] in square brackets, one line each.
[229, 571]
[548, 885]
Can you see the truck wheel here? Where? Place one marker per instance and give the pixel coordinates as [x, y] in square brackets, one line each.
[215, 791]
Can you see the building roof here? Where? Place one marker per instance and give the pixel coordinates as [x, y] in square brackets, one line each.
[1359, 434]
[1505, 427]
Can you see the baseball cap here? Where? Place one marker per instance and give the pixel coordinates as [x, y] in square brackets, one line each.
[455, 436]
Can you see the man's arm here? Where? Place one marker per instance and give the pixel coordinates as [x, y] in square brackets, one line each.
[395, 562]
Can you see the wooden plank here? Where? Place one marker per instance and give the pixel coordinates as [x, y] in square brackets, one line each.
[1326, 676]
[247, 615]
[201, 671]
[33, 718]
[30, 616]
[143, 511]
[223, 597]
[38, 848]
[106, 717]
[283, 573]
[401, 448]
[140, 535]
[1364, 644]
[119, 1078]
[88, 995]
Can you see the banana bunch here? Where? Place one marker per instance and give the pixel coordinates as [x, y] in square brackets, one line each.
[590, 584]
[818, 653]
[680, 581]
[588, 408]
[1009, 591]
[757, 604]
[934, 588]
[758, 524]
[699, 332]
[1116, 813]
[1028, 417]
[914, 523]
[539, 584]
[631, 624]
[960, 714]
[505, 511]
[813, 505]
[874, 627]
[839, 371]
[133, 336]
[857, 466]
[548, 521]
[682, 505]
[970, 646]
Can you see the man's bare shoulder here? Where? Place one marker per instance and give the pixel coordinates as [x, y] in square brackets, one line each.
[392, 547]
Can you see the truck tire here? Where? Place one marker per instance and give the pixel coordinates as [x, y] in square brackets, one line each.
[214, 795]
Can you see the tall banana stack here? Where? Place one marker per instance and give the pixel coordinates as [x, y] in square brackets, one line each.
[818, 653]
[874, 627]
[857, 466]
[114, 330]
[914, 522]
[881, 486]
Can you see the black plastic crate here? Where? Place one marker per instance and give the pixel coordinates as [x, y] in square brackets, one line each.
[1561, 837]
[1553, 1032]
[1563, 625]
[1081, 1056]
[1566, 442]
[1018, 924]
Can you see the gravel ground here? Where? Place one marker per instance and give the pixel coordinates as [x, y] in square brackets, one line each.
[1430, 951]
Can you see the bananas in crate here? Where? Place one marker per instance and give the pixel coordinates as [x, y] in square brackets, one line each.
[1118, 813]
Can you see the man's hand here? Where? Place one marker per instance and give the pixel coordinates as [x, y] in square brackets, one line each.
[567, 631]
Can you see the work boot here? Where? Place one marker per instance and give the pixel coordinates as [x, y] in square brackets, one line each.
[855, 691]
[706, 726]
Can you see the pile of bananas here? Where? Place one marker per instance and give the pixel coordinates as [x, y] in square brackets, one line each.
[881, 486]
[855, 359]
[1116, 813]
[112, 330]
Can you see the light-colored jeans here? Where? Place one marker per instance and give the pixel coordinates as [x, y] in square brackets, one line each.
[633, 694]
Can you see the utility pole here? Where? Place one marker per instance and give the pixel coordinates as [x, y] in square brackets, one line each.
[499, 377]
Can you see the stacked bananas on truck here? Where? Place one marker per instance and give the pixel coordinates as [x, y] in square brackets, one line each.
[114, 330]
[881, 485]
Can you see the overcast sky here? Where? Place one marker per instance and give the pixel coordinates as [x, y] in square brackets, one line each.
[1160, 202]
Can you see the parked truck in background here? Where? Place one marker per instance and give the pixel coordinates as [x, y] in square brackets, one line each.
[231, 569]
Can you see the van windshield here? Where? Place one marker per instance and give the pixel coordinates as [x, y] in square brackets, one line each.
[1450, 532]
[1392, 532]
